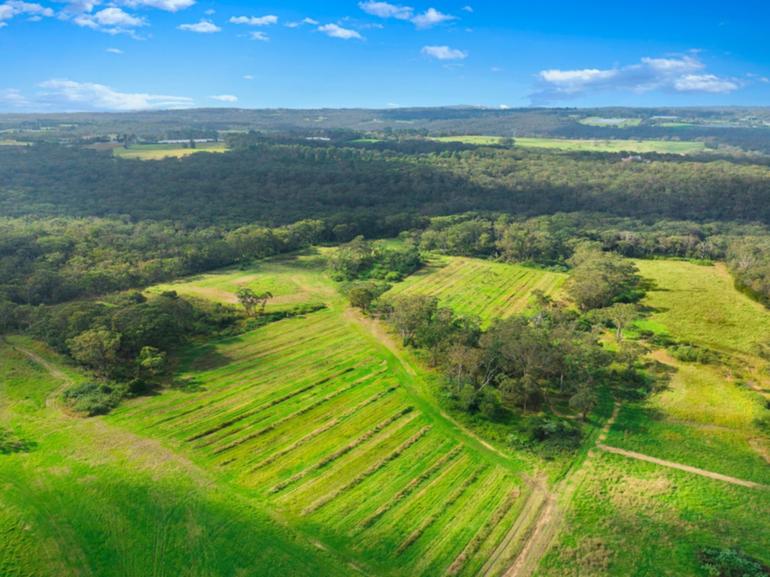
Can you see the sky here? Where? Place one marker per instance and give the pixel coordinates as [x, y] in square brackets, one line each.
[121, 55]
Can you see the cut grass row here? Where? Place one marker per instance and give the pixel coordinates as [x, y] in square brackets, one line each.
[317, 419]
[481, 288]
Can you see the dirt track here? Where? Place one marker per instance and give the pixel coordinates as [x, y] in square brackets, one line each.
[683, 467]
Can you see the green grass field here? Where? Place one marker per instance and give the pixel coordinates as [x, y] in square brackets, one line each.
[634, 518]
[94, 499]
[575, 145]
[478, 287]
[293, 280]
[700, 304]
[161, 151]
[320, 422]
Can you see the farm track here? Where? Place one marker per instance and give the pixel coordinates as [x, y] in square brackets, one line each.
[683, 467]
[551, 517]
[52, 400]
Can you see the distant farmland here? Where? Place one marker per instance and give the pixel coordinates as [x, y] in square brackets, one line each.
[161, 151]
[636, 146]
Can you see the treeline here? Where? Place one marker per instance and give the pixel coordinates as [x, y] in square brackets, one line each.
[124, 341]
[551, 241]
[275, 184]
[49, 261]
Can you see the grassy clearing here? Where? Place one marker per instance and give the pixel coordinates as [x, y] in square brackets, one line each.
[93, 499]
[576, 145]
[293, 280]
[161, 151]
[318, 420]
[702, 419]
[478, 287]
[671, 515]
[700, 304]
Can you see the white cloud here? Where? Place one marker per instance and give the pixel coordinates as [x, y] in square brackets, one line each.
[225, 98]
[386, 10]
[427, 19]
[210, 12]
[430, 18]
[13, 96]
[704, 83]
[444, 53]
[167, 5]
[68, 95]
[13, 8]
[202, 27]
[255, 20]
[337, 31]
[111, 20]
[675, 74]
[248, 77]
[114, 51]
[258, 35]
[468, 9]
[308, 21]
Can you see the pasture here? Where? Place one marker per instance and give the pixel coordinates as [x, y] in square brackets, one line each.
[581, 145]
[292, 280]
[479, 287]
[161, 151]
[700, 304]
[90, 498]
[314, 417]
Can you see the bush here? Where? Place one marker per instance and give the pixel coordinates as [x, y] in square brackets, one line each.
[95, 398]
[555, 431]
[731, 563]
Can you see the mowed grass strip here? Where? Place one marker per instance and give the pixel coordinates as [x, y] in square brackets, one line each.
[477, 287]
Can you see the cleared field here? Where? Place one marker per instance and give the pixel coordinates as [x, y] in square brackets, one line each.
[293, 280]
[92, 499]
[634, 518]
[700, 304]
[610, 121]
[480, 287]
[160, 151]
[322, 423]
[613, 145]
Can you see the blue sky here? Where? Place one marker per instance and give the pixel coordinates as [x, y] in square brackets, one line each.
[68, 55]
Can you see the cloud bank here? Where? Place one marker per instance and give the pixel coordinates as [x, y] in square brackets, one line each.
[675, 74]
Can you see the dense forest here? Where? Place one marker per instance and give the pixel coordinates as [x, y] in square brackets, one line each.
[277, 184]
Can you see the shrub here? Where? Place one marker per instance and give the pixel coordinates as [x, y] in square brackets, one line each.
[95, 398]
[731, 563]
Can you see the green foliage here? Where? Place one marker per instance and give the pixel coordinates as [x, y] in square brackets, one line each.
[361, 259]
[731, 563]
[94, 398]
[600, 279]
